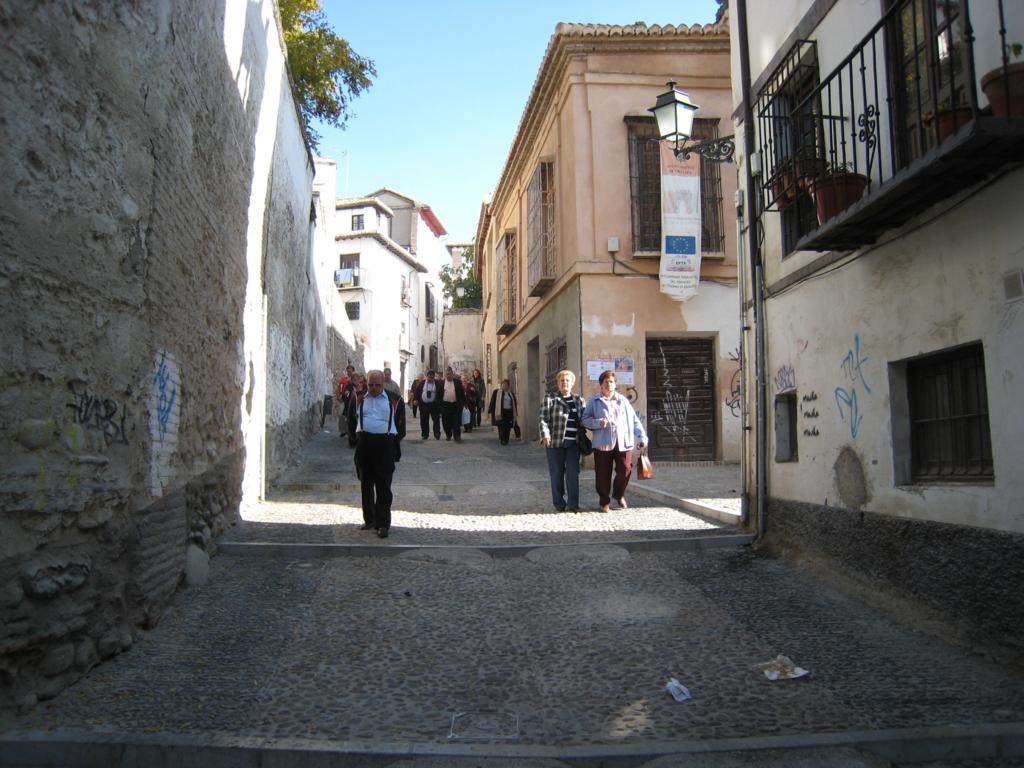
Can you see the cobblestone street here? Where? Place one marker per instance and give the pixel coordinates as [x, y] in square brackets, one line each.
[453, 643]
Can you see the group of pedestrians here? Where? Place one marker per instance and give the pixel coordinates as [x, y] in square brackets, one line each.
[617, 431]
[372, 415]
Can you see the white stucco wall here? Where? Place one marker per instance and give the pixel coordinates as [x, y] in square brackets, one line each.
[835, 338]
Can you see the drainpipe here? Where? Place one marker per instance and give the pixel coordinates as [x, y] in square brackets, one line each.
[753, 220]
[740, 272]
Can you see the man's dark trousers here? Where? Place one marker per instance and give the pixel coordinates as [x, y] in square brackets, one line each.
[451, 419]
[429, 411]
[376, 469]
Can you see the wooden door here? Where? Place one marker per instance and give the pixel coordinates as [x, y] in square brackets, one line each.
[680, 399]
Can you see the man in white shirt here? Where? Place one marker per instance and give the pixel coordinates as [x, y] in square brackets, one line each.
[380, 428]
[453, 400]
[427, 395]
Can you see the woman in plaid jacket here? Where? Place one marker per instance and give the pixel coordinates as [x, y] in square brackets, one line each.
[559, 426]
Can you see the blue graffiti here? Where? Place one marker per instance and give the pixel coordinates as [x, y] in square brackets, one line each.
[848, 397]
[852, 366]
[165, 400]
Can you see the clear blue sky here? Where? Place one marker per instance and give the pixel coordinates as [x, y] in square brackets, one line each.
[453, 77]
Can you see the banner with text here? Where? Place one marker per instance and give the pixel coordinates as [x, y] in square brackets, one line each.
[680, 224]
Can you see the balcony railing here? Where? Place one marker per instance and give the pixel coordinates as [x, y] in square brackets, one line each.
[894, 128]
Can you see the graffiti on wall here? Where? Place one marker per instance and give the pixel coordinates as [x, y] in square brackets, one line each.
[853, 382]
[810, 412]
[732, 400]
[101, 414]
[164, 415]
[785, 379]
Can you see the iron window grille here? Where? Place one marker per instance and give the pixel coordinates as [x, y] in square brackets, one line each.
[508, 281]
[789, 145]
[556, 356]
[950, 437]
[429, 304]
[541, 234]
[352, 310]
[645, 187]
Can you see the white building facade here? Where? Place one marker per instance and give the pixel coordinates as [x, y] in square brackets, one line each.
[884, 294]
[386, 252]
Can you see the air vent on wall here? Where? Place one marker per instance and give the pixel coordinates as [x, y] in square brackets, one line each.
[1013, 285]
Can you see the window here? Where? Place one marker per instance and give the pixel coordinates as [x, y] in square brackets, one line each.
[508, 282]
[348, 274]
[433, 358]
[357, 222]
[795, 145]
[541, 249]
[404, 295]
[645, 187]
[556, 359]
[429, 306]
[926, 67]
[949, 426]
[352, 310]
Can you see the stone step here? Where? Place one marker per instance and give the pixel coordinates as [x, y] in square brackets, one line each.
[946, 746]
[296, 551]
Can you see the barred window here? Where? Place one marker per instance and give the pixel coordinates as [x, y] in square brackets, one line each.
[541, 236]
[645, 187]
[352, 310]
[556, 359]
[950, 437]
[429, 304]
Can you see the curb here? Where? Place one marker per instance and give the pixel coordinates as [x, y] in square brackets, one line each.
[324, 551]
[74, 749]
[715, 513]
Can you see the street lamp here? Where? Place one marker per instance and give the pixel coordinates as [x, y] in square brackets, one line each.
[674, 112]
[460, 292]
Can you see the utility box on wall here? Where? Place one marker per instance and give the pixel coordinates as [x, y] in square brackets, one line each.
[785, 427]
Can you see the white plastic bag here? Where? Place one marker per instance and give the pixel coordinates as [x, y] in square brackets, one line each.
[679, 691]
[466, 416]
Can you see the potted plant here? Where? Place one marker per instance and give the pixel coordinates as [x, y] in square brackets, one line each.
[836, 190]
[784, 184]
[809, 168]
[1004, 88]
[947, 120]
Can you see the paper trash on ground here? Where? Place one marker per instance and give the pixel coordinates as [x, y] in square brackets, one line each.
[678, 690]
[782, 668]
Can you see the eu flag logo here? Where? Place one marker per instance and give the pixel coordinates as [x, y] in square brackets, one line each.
[682, 245]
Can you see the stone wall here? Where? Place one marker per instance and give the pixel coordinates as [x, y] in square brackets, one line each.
[129, 139]
[966, 581]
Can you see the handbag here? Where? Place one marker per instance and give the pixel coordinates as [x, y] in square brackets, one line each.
[467, 417]
[584, 442]
[644, 468]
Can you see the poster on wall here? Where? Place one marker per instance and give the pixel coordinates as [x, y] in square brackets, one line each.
[680, 224]
[597, 365]
[623, 367]
[624, 371]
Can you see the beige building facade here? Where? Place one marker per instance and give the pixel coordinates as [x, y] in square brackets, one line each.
[569, 244]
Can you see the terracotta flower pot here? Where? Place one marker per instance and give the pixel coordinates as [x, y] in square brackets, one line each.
[784, 189]
[836, 193]
[949, 121]
[995, 86]
[807, 169]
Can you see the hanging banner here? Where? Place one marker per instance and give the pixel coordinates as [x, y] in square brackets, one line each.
[680, 224]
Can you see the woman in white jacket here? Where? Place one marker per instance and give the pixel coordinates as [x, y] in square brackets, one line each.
[617, 430]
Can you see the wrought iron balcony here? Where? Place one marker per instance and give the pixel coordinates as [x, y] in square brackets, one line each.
[895, 128]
